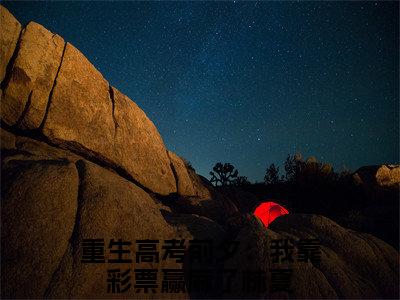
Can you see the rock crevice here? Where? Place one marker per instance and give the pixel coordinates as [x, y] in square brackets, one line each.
[25, 111]
[111, 92]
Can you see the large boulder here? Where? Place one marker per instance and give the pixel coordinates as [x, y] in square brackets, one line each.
[53, 199]
[100, 204]
[49, 206]
[32, 77]
[38, 209]
[110, 207]
[352, 264]
[51, 86]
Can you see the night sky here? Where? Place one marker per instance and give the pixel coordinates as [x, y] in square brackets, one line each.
[248, 82]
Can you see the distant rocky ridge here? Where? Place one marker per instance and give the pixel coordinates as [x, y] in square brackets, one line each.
[80, 160]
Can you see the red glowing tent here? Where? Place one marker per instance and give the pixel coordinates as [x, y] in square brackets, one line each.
[269, 211]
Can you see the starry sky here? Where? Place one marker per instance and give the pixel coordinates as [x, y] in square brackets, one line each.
[247, 82]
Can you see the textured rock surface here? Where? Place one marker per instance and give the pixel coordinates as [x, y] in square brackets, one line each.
[38, 208]
[90, 117]
[192, 226]
[388, 176]
[32, 77]
[184, 182]
[353, 265]
[10, 30]
[110, 207]
[201, 188]
[80, 111]
[139, 147]
[50, 206]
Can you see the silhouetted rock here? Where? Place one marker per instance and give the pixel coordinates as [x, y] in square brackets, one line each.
[381, 184]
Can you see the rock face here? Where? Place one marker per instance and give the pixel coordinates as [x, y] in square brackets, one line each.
[106, 124]
[202, 188]
[82, 163]
[139, 147]
[184, 182]
[51, 87]
[10, 30]
[32, 76]
[352, 265]
[80, 92]
[38, 210]
[53, 199]
[111, 208]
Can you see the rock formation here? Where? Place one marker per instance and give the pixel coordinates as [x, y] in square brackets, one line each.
[353, 265]
[80, 160]
[383, 176]
[379, 182]
[52, 89]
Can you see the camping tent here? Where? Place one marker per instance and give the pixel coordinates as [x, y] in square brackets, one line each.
[269, 211]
